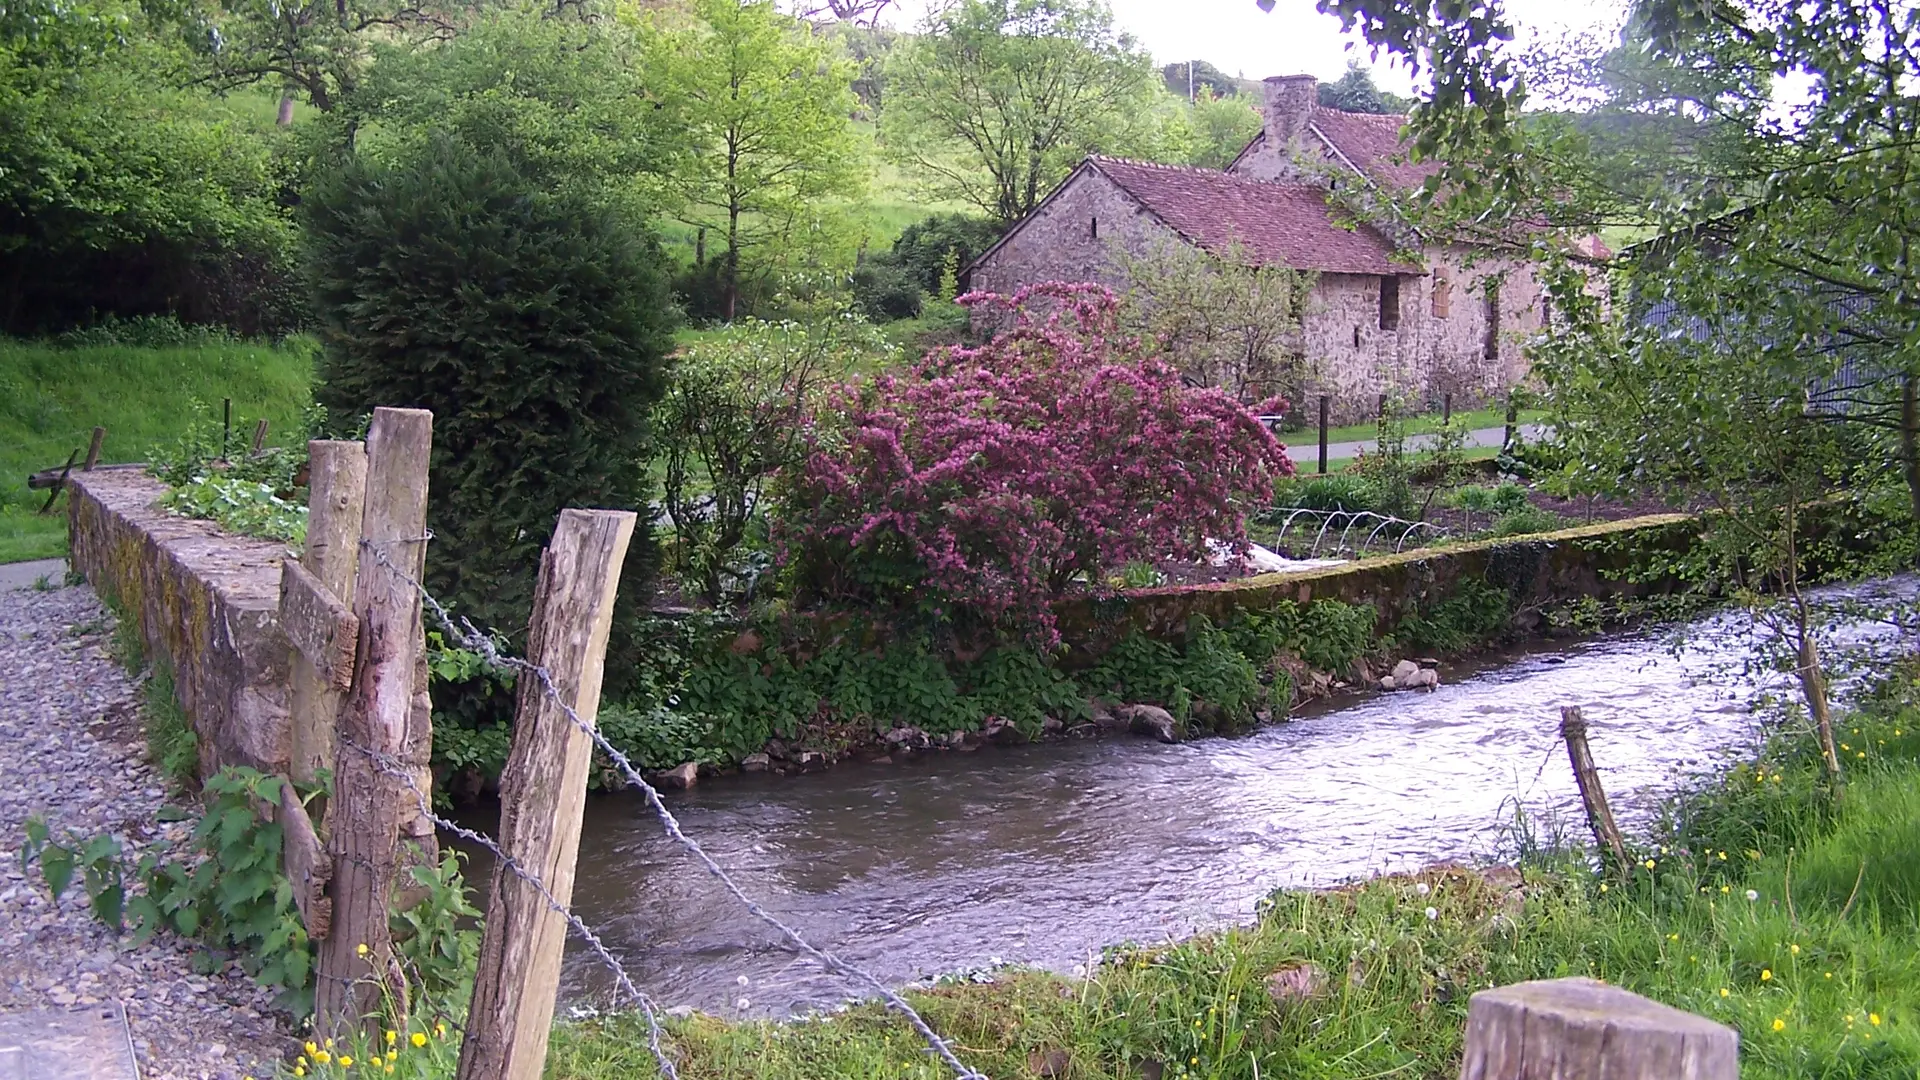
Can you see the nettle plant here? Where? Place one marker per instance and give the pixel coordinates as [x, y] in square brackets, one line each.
[991, 481]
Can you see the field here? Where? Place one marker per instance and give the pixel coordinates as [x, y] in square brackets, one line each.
[51, 398]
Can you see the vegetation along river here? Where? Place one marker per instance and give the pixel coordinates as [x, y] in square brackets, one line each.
[1043, 854]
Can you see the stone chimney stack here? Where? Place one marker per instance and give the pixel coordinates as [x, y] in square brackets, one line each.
[1290, 100]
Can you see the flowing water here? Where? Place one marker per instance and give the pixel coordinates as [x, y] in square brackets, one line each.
[1043, 854]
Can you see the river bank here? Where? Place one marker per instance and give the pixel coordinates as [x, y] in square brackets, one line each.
[1760, 905]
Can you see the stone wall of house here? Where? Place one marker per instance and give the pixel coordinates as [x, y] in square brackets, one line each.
[208, 608]
[1069, 239]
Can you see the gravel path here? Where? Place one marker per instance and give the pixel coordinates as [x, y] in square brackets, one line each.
[70, 748]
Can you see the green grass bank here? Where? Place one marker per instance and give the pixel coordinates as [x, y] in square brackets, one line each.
[51, 398]
[1762, 904]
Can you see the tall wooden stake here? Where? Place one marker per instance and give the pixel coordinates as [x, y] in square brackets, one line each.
[1323, 434]
[542, 796]
[365, 817]
[1573, 729]
[337, 491]
[93, 449]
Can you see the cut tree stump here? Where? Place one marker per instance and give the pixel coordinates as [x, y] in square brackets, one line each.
[1581, 1029]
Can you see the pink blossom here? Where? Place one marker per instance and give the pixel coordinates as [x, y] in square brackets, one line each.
[999, 478]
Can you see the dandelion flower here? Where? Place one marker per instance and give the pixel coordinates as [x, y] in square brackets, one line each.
[1794, 949]
[1829, 974]
[1766, 974]
[1779, 1024]
[1724, 992]
[1432, 913]
[1860, 753]
[1724, 890]
[742, 980]
[1673, 937]
[743, 1004]
[1422, 888]
[392, 1036]
[321, 1057]
[1723, 856]
[1752, 895]
[346, 1061]
[418, 1039]
[1603, 886]
[1874, 1019]
[1649, 864]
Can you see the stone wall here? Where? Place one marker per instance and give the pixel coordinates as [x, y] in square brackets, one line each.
[207, 604]
[1537, 571]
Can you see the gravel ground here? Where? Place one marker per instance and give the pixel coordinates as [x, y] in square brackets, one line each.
[70, 748]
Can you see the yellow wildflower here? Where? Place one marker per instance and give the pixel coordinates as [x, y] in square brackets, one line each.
[311, 1047]
[1779, 1024]
[321, 1057]
[1723, 856]
[1724, 992]
[1874, 1019]
[1794, 949]
[360, 949]
[392, 1036]
[1766, 974]
[1723, 888]
[1673, 937]
[299, 1070]
[1829, 974]
[418, 1039]
[1603, 886]
[346, 1061]
[1649, 864]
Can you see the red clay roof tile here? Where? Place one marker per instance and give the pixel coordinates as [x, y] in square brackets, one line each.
[1275, 223]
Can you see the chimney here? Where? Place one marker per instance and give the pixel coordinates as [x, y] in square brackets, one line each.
[1290, 101]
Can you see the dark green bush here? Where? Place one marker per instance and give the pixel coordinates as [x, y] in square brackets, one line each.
[925, 247]
[1475, 614]
[884, 291]
[534, 322]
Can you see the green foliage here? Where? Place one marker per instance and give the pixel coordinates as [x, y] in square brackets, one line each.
[435, 939]
[240, 506]
[1327, 635]
[1223, 125]
[172, 746]
[738, 413]
[146, 332]
[206, 445]
[764, 102]
[999, 99]
[1526, 521]
[96, 859]
[1473, 614]
[1209, 669]
[1344, 491]
[883, 291]
[1354, 91]
[535, 324]
[926, 249]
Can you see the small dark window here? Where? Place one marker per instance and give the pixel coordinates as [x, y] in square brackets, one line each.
[1356, 337]
[1389, 302]
[1093, 228]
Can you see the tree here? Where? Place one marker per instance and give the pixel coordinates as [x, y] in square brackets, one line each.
[1190, 80]
[1218, 319]
[767, 108]
[318, 49]
[531, 319]
[1222, 127]
[122, 195]
[986, 483]
[1356, 92]
[997, 100]
[926, 247]
[737, 414]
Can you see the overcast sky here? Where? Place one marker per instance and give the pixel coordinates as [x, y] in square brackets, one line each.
[1240, 39]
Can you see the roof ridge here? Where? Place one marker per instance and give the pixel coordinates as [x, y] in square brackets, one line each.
[1401, 118]
[1201, 170]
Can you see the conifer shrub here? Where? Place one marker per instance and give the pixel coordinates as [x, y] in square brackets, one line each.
[531, 319]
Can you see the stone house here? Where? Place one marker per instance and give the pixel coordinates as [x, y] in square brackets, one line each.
[1390, 311]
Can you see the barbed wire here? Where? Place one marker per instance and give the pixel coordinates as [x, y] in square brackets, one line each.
[471, 638]
[393, 766]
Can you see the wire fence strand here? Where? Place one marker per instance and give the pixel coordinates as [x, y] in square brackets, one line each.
[467, 636]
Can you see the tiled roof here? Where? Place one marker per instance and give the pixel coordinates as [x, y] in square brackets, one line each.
[1373, 145]
[1274, 223]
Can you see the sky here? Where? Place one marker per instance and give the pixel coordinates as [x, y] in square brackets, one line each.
[1240, 39]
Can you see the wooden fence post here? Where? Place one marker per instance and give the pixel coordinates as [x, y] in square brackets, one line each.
[1573, 729]
[1513, 423]
[259, 436]
[542, 797]
[336, 497]
[1323, 434]
[1582, 1029]
[93, 449]
[362, 841]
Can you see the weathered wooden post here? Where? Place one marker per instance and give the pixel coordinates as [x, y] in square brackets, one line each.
[336, 497]
[1581, 1029]
[1446, 408]
[259, 436]
[1573, 729]
[1323, 434]
[1513, 423]
[542, 796]
[363, 837]
[93, 449]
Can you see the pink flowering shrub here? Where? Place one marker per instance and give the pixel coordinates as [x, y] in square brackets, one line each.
[994, 480]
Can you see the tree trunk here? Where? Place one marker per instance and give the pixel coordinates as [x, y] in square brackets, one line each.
[285, 118]
[1813, 686]
[1910, 440]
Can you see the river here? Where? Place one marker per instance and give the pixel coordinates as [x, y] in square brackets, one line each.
[1043, 854]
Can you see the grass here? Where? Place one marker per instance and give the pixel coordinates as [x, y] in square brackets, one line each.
[1307, 439]
[1819, 971]
[51, 398]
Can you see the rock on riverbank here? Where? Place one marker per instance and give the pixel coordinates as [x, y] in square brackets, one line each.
[71, 750]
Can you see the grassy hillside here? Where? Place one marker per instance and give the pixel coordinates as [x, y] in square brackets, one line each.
[51, 399]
